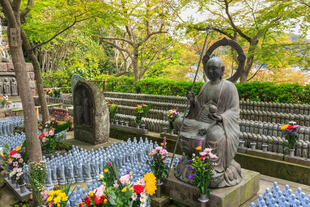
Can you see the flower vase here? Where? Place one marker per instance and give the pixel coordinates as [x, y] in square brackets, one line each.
[203, 199]
[158, 186]
[265, 147]
[171, 127]
[22, 188]
[253, 145]
[292, 151]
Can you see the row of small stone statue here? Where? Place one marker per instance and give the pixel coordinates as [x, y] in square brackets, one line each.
[7, 125]
[285, 198]
[85, 166]
[8, 86]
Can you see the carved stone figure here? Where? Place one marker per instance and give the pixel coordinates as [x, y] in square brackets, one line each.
[1, 87]
[6, 87]
[14, 91]
[213, 116]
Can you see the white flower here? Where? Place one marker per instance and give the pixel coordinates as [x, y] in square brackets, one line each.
[100, 176]
[12, 173]
[143, 197]
[134, 196]
[19, 170]
[19, 174]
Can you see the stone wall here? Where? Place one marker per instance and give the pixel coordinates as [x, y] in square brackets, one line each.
[7, 71]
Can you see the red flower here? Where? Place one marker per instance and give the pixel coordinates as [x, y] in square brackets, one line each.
[98, 201]
[87, 200]
[81, 205]
[13, 152]
[290, 126]
[41, 136]
[203, 157]
[138, 188]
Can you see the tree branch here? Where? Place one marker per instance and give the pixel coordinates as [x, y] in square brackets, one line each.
[233, 24]
[117, 47]
[24, 13]
[121, 39]
[258, 69]
[58, 33]
[9, 13]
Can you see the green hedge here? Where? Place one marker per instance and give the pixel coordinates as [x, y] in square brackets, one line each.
[253, 91]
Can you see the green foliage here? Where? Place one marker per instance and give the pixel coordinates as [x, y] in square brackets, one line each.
[37, 174]
[141, 111]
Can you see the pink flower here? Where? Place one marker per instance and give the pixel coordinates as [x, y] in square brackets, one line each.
[99, 191]
[115, 185]
[207, 150]
[51, 132]
[212, 156]
[21, 160]
[15, 164]
[50, 204]
[44, 139]
[44, 194]
[125, 179]
[203, 153]
[45, 132]
[17, 156]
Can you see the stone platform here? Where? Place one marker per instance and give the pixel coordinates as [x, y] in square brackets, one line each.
[224, 197]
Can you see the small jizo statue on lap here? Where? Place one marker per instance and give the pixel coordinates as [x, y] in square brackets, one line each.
[213, 117]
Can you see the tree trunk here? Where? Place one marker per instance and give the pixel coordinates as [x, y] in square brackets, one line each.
[249, 61]
[135, 64]
[30, 120]
[38, 77]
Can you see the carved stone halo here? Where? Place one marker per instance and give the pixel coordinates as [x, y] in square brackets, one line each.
[241, 57]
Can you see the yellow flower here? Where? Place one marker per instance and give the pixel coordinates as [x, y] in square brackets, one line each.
[91, 194]
[105, 201]
[52, 119]
[52, 193]
[58, 204]
[106, 170]
[57, 199]
[50, 198]
[10, 159]
[130, 173]
[18, 148]
[198, 148]
[150, 183]
[284, 127]
[124, 190]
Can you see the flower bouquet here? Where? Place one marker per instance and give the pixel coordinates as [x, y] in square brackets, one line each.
[4, 100]
[172, 115]
[202, 166]
[158, 163]
[14, 162]
[47, 138]
[290, 134]
[119, 191]
[141, 111]
[56, 198]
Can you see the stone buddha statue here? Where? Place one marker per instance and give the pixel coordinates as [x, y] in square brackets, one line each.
[213, 117]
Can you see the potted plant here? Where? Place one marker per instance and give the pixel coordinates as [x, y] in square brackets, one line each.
[202, 166]
[290, 134]
[141, 111]
[159, 165]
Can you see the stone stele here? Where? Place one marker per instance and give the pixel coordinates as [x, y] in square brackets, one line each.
[91, 114]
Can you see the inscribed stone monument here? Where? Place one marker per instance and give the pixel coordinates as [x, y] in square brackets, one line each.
[213, 116]
[91, 113]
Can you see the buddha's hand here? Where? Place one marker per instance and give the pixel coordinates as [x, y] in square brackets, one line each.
[190, 97]
[215, 117]
[202, 132]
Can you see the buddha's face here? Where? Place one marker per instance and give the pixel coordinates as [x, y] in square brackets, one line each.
[215, 70]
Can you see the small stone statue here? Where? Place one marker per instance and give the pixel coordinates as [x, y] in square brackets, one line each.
[14, 87]
[213, 116]
[6, 87]
[1, 87]
[61, 175]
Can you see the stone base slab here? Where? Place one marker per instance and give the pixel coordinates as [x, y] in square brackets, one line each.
[160, 202]
[234, 196]
[21, 196]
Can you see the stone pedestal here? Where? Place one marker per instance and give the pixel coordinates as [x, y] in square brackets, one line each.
[222, 197]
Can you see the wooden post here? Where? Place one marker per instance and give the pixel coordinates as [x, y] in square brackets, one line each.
[37, 110]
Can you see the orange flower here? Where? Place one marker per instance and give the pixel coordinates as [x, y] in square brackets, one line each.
[198, 148]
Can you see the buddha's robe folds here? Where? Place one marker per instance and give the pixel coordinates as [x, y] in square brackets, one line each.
[222, 137]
